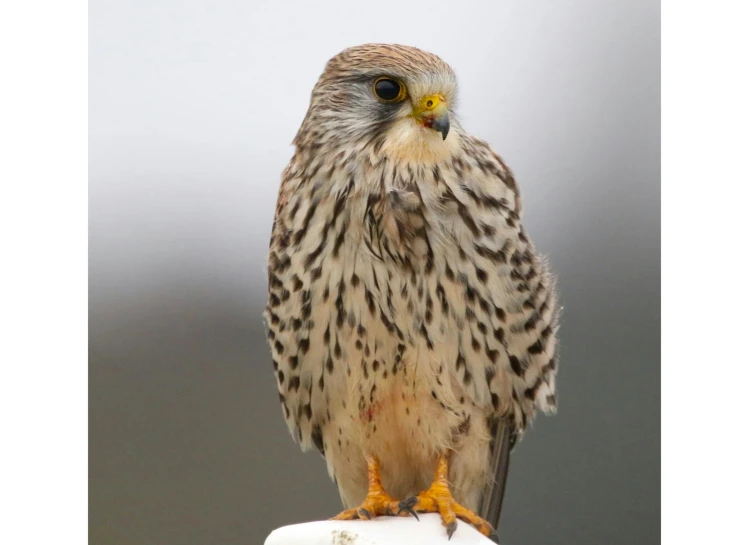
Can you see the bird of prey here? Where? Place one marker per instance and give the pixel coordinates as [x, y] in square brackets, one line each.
[411, 322]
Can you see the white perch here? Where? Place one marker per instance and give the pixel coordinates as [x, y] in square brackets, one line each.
[380, 531]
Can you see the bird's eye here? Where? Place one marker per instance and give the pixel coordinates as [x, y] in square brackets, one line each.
[389, 90]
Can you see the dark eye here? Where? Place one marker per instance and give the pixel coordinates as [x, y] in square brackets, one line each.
[389, 90]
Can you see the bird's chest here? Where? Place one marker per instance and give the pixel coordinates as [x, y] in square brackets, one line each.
[387, 290]
[384, 310]
[394, 383]
[385, 278]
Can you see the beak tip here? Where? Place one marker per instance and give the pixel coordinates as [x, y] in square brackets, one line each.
[443, 127]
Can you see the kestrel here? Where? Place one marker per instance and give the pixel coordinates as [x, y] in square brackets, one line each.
[412, 323]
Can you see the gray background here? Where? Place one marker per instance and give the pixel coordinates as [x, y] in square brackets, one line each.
[193, 105]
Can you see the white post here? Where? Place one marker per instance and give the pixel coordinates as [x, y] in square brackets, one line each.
[428, 530]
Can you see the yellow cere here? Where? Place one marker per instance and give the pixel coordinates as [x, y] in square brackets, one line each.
[429, 103]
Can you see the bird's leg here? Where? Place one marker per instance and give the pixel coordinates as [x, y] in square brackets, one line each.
[438, 499]
[377, 503]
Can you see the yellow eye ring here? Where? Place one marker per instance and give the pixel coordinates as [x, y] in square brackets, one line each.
[389, 90]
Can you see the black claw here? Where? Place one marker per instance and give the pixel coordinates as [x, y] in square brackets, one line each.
[494, 537]
[451, 529]
[410, 502]
[407, 505]
[363, 513]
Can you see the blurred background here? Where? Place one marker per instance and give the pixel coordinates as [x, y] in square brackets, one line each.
[193, 105]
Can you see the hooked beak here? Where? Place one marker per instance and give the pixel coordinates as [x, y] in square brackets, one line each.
[431, 112]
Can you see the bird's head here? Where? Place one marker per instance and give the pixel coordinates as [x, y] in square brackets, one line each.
[388, 100]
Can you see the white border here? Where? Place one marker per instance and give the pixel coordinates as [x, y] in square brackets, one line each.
[43, 276]
[704, 204]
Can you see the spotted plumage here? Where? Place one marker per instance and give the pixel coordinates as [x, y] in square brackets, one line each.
[409, 314]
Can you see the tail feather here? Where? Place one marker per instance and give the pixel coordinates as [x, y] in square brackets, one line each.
[490, 506]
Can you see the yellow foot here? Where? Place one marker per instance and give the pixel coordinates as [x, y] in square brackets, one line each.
[373, 506]
[377, 503]
[438, 499]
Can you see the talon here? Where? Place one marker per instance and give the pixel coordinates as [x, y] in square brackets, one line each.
[363, 513]
[409, 502]
[494, 537]
[438, 499]
[451, 529]
[407, 506]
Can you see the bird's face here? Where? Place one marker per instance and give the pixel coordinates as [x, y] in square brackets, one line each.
[429, 110]
[385, 99]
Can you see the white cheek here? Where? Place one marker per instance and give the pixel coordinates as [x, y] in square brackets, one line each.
[409, 141]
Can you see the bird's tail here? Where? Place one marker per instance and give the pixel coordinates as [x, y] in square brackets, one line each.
[503, 440]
